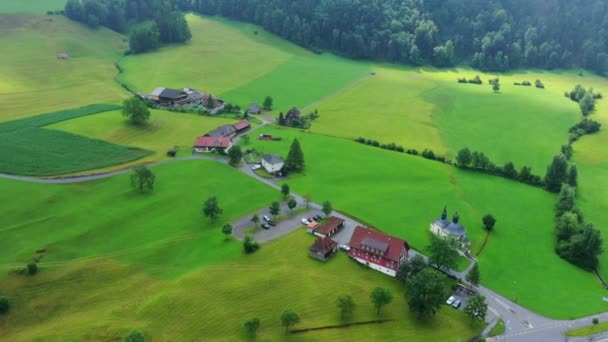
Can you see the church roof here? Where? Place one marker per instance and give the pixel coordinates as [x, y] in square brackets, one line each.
[450, 227]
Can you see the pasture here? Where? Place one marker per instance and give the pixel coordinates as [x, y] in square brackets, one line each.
[163, 131]
[242, 64]
[31, 6]
[33, 80]
[402, 194]
[136, 266]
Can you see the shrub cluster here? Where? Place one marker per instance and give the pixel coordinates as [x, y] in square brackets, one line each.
[585, 98]
[524, 83]
[577, 242]
[539, 84]
[250, 245]
[426, 153]
[586, 126]
[478, 161]
[475, 80]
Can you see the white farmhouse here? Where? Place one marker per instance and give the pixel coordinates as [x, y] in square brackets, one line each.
[272, 163]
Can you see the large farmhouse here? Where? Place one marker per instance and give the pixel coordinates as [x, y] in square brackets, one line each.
[377, 250]
[212, 144]
[168, 97]
[223, 131]
[186, 97]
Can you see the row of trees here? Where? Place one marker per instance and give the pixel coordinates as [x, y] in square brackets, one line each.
[576, 241]
[585, 98]
[151, 22]
[493, 35]
[426, 153]
[480, 162]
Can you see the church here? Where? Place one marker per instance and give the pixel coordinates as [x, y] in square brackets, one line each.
[444, 228]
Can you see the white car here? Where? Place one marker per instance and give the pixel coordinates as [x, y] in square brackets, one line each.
[305, 221]
[450, 300]
[256, 167]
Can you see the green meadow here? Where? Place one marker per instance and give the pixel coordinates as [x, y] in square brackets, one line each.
[402, 194]
[241, 63]
[31, 6]
[33, 80]
[136, 266]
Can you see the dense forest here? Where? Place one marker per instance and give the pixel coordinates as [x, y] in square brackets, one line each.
[150, 22]
[493, 35]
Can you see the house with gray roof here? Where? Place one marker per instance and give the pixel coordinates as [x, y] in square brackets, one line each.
[254, 108]
[272, 163]
[444, 228]
[222, 131]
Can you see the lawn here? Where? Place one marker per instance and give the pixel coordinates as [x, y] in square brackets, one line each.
[153, 263]
[31, 6]
[33, 80]
[242, 63]
[402, 194]
[164, 131]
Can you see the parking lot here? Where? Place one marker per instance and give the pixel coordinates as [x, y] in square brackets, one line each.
[282, 228]
[462, 294]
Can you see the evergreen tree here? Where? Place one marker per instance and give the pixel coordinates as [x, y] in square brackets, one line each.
[473, 275]
[295, 158]
[281, 120]
[144, 37]
[556, 173]
[572, 176]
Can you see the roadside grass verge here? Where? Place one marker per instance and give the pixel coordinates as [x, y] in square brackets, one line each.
[498, 329]
[588, 330]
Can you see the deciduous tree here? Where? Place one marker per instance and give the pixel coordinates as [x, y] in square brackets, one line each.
[476, 307]
[426, 291]
[275, 209]
[135, 336]
[211, 208]
[4, 305]
[380, 297]
[473, 275]
[488, 222]
[142, 179]
[227, 229]
[267, 103]
[289, 318]
[346, 305]
[443, 253]
[464, 157]
[255, 219]
[252, 326]
[285, 189]
[327, 208]
[235, 154]
[135, 110]
[291, 204]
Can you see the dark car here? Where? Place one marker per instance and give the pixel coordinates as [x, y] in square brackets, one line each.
[265, 226]
[310, 219]
[272, 223]
[318, 217]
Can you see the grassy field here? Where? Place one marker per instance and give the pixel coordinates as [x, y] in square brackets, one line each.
[429, 109]
[230, 60]
[31, 6]
[164, 131]
[152, 262]
[402, 194]
[33, 80]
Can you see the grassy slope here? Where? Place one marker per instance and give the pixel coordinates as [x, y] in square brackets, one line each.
[31, 6]
[164, 130]
[33, 80]
[228, 59]
[136, 266]
[401, 194]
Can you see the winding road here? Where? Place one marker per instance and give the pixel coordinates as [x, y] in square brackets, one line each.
[521, 323]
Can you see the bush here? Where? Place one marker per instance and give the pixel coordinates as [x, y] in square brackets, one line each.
[595, 320]
[249, 245]
[32, 268]
[4, 305]
[539, 84]
[135, 336]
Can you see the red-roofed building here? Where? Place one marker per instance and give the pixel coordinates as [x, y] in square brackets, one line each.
[377, 250]
[242, 126]
[212, 144]
[323, 248]
[329, 227]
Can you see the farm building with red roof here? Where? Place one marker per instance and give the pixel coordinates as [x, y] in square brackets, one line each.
[242, 126]
[329, 227]
[323, 248]
[377, 250]
[212, 144]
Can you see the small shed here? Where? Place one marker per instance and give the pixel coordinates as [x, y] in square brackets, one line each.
[323, 248]
[63, 56]
[172, 152]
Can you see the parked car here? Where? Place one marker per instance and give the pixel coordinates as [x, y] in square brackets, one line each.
[266, 218]
[318, 217]
[265, 226]
[310, 219]
[272, 223]
[256, 167]
[456, 304]
[450, 300]
[305, 221]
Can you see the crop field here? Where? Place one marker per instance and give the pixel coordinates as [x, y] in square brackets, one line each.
[28, 149]
[33, 80]
[164, 130]
[31, 6]
[230, 60]
[390, 190]
[137, 267]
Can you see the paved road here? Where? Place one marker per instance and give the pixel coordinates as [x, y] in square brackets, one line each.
[521, 323]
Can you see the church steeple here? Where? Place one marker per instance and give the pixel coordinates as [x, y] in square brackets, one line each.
[444, 214]
[456, 217]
